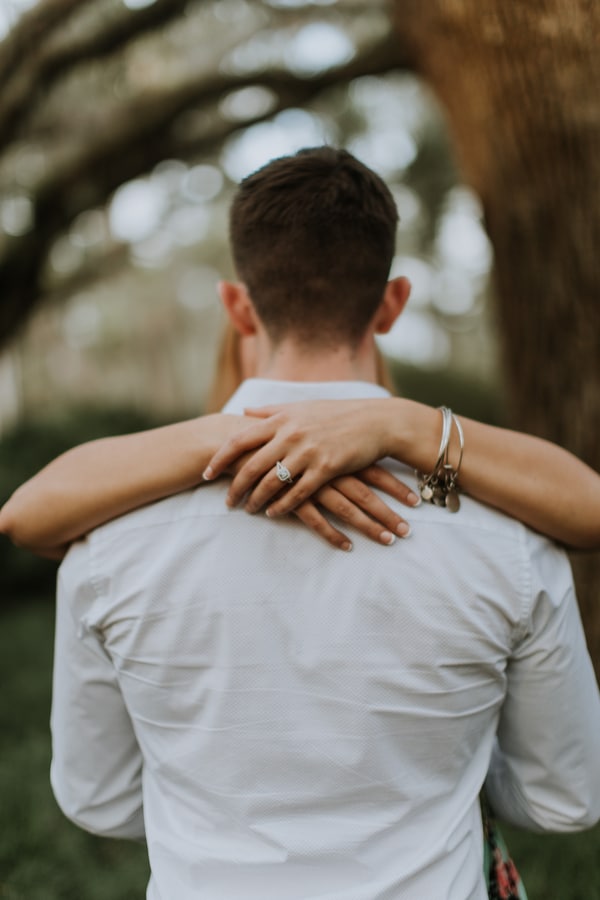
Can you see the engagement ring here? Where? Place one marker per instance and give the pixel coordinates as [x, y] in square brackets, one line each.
[284, 474]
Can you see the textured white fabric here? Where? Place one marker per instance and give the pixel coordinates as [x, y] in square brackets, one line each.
[304, 724]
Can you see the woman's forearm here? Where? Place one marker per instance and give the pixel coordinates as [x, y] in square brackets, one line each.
[98, 481]
[532, 480]
[529, 478]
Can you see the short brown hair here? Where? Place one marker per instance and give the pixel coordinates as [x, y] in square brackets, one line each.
[312, 237]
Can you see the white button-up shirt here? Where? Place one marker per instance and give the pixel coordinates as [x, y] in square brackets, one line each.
[282, 721]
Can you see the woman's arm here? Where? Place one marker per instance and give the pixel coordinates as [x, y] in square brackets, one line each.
[531, 479]
[102, 479]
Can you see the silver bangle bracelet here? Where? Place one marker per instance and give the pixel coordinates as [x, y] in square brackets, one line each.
[441, 485]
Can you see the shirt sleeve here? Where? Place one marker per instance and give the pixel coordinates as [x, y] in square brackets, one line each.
[96, 770]
[545, 770]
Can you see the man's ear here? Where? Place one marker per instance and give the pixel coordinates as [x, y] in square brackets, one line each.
[395, 296]
[238, 306]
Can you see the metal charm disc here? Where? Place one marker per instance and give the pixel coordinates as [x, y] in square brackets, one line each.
[426, 493]
[452, 501]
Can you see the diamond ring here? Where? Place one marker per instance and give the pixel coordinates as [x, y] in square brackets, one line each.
[283, 473]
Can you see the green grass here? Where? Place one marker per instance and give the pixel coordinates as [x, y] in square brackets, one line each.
[557, 866]
[44, 857]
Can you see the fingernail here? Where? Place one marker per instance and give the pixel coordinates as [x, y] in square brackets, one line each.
[268, 513]
[413, 499]
[386, 537]
[346, 546]
[403, 529]
[208, 474]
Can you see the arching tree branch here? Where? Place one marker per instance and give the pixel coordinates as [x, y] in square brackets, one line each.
[48, 58]
[132, 143]
[36, 25]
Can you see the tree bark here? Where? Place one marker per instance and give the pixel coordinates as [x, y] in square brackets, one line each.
[519, 83]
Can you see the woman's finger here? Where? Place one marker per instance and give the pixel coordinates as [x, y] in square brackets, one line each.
[356, 491]
[345, 509]
[384, 480]
[309, 514]
[310, 482]
[303, 487]
[250, 438]
[261, 412]
[258, 475]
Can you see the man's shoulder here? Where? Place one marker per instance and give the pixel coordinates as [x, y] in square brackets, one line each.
[472, 515]
[480, 530]
[201, 502]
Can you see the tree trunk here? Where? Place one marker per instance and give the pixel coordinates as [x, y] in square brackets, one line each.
[519, 82]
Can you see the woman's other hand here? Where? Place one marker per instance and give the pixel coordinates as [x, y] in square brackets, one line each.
[351, 500]
[317, 441]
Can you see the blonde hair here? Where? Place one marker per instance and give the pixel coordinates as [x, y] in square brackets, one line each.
[228, 370]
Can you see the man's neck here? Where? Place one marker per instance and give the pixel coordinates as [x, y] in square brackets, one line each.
[289, 362]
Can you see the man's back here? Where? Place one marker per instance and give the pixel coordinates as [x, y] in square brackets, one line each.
[319, 725]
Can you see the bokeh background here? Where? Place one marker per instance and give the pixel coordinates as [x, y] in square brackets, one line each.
[124, 127]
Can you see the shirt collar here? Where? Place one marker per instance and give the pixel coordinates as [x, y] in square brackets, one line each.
[263, 391]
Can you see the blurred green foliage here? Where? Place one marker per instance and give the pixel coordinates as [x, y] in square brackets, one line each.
[29, 447]
[479, 399]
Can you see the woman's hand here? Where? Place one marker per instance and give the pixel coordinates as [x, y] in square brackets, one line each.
[351, 500]
[317, 441]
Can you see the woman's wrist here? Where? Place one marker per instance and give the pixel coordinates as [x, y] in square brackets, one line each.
[193, 444]
[412, 432]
